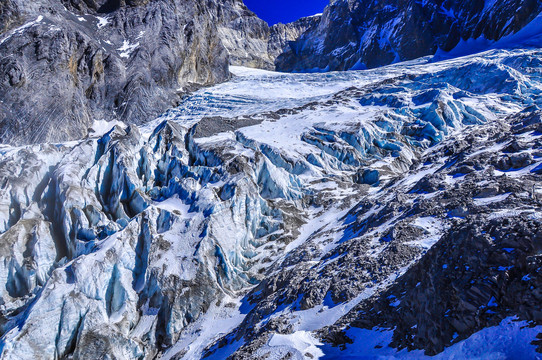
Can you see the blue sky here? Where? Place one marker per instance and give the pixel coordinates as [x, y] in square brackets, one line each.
[285, 11]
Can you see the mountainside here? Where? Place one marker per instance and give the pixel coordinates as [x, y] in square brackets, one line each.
[282, 34]
[71, 63]
[357, 34]
[288, 216]
[250, 42]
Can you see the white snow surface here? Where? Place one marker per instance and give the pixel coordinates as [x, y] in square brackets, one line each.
[101, 127]
[508, 340]
[102, 22]
[127, 48]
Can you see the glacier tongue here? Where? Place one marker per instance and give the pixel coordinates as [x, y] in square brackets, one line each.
[270, 204]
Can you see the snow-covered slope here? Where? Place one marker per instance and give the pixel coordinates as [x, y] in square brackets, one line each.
[281, 214]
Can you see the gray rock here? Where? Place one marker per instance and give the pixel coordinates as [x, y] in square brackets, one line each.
[371, 33]
[75, 62]
[282, 35]
[252, 42]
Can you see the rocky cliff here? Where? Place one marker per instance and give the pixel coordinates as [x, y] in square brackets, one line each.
[251, 42]
[72, 63]
[356, 34]
[283, 34]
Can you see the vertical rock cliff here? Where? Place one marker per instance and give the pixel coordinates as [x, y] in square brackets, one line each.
[70, 63]
[358, 34]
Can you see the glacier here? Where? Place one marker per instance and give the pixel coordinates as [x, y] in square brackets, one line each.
[279, 214]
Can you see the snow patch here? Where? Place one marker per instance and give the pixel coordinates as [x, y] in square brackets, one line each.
[126, 49]
[490, 200]
[102, 127]
[300, 342]
[102, 22]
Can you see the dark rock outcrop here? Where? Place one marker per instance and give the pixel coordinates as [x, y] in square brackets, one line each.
[354, 34]
[282, 35]
[486, 266]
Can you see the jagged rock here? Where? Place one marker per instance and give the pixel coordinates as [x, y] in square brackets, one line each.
[83, 61]
[251, 42]
[355, 34]
[245, 38]
[282, 35]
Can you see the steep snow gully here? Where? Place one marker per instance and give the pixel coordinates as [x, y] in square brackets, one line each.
[391, 212]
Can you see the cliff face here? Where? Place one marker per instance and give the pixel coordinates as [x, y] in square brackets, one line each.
[282, 35]
[73, 62]
[370, 33]
[251, 42]
[245, 38]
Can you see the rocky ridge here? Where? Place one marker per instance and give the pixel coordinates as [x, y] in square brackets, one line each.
[73, 63]
[282, 35]
[251, 42]
[355, 34]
